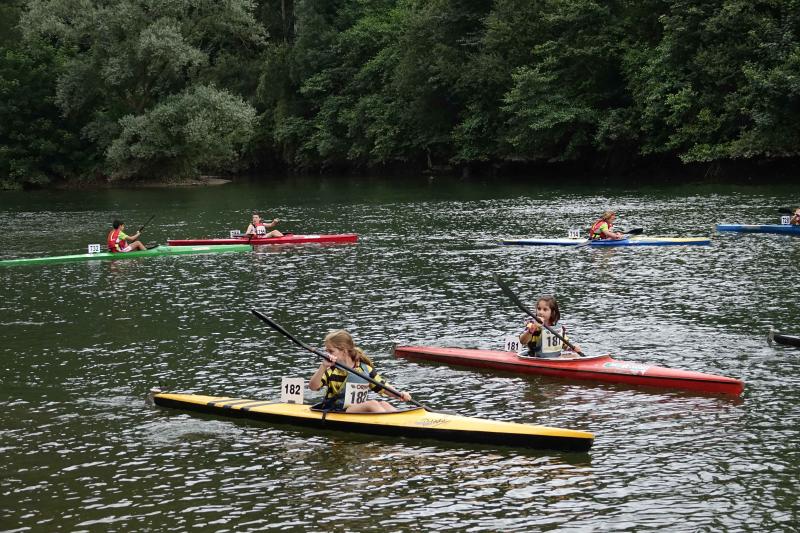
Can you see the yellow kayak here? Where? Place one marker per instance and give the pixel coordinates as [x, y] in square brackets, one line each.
[413, 423]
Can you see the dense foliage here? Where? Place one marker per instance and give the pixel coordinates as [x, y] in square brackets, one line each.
[147, 89]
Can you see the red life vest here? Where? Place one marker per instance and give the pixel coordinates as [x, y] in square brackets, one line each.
[113, 241]
[593, 234]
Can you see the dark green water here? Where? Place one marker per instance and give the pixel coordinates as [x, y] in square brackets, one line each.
[82, 343]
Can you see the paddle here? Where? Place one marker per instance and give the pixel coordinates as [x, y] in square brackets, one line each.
[785, 211]
[146, 223]
[508, 292]
[277, 327]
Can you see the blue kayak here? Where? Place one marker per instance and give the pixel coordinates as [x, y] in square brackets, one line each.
[785, 229]
[630, 241]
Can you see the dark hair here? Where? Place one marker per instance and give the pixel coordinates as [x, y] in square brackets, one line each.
[117, 223]
[551, 302]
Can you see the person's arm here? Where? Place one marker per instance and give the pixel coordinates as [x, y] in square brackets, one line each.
[531, 327]
[381, 389]
[315, 383]
[608, 234]
[250, 229]
[273, 223]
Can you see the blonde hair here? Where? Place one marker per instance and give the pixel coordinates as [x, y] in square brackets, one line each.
[342, 340]
[607, 215]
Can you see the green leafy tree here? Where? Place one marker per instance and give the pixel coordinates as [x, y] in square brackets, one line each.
[202, 129]
[37, 145]
[126, 57]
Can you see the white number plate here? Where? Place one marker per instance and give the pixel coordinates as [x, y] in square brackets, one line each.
[355, 393]
[94, 248]
[512, 344]
[550, 343]
[235, 233]
[574, 234]
[785, 219]
[292, 390]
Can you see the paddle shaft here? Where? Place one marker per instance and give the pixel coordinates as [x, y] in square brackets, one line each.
[508, 292]
[146, 223]
[277, 327]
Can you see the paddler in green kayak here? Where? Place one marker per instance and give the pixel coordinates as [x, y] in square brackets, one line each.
[117, 240]
[341, 348]
[540, 341]
[256, 223]
[602, 228]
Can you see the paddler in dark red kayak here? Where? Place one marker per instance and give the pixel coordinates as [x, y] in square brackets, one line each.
[602, 228]
[540, 341]
[252, 229]
[117, 240]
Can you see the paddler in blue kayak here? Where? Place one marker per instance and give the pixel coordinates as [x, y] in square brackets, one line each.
[256, 223]
[795, 220]
[602, 228]
[341, 348]
[540, 341]
[117, 240]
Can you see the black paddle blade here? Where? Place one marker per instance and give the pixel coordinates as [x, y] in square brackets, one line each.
[280, 329]
[635, 231]
[785, 211]
[514, 298]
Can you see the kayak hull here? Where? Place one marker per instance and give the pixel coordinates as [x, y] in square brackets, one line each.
[108, 256]
[289, 238]
[784, 229]
[632, 241]
[411, 423]
[783, 338]
[601, 368]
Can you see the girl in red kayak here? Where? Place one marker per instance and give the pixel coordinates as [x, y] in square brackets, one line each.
[117, 240]
[341, 348]
[539, 340]
[252, 229]
[601, 229]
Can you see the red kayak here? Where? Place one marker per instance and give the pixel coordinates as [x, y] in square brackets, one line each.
[595, 368]
[289, 238]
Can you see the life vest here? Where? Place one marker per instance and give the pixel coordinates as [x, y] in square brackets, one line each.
[115, 244]
[595, 233]
[545, 344]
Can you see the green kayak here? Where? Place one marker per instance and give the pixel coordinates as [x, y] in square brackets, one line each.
[159, 250]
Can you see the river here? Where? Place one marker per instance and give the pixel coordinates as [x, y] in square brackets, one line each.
[82, 344]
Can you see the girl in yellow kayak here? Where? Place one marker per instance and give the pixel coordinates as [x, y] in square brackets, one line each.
[539, 340]
[341, 348]
[602, 228]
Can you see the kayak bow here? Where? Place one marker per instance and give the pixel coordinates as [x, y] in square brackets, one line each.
[594, 368]
[289, 238]
[784, 229]
[413, 423]
[160, 250]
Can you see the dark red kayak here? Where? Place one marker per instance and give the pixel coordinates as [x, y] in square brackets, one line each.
[595, 368]
[289, 238]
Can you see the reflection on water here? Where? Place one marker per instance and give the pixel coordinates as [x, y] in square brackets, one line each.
[84, 342]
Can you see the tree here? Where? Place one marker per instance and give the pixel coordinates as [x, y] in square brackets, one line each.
[126, 57]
